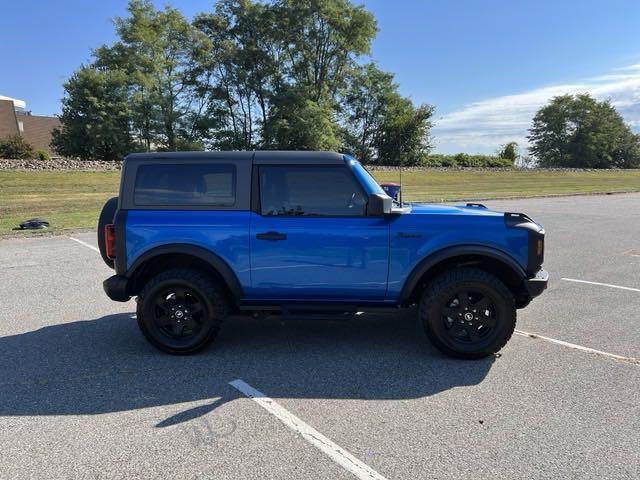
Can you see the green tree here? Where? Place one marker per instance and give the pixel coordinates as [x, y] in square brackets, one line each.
[243, 70]
[298, 123]
[142, 91]
[250, 74]
[286, 52]
[381, 126]
[509, 151]
[364, 108]
[404, 134]
[95, 116]
[321, 39]
[158, 48]
[578, 131]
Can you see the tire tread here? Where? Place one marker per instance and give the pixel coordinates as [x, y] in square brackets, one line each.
[208, 287]
[448, 279]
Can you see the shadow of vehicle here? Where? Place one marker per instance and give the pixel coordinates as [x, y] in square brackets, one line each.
[104, 365]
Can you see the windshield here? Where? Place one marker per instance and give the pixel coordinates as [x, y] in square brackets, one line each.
[369, 183]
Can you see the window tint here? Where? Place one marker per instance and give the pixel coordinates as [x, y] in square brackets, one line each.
[313, 190]
[184, 185]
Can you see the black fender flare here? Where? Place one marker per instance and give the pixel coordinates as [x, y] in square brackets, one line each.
[210, 258]
[456, 251]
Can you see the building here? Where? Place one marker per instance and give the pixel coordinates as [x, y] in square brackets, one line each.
[15, 119]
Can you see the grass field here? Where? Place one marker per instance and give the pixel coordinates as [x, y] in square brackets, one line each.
[67, 199]
[73, 199]
[439, 185]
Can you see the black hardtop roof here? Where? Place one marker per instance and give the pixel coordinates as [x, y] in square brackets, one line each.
[257, 157]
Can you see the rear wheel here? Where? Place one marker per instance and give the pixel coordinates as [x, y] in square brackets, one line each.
[180, 310]
[468, 313]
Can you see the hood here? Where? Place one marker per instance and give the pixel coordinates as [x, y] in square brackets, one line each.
[474, 209]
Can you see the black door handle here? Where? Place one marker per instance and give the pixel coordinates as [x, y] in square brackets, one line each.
[272, 236]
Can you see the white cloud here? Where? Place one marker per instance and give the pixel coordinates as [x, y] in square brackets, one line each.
[482, 126]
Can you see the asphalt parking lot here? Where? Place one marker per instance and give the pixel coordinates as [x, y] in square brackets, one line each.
[82, 395]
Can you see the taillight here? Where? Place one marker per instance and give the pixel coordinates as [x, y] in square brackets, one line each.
[110, 240]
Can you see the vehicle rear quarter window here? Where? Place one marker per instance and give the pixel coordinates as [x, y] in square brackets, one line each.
[185, 185]
[310, 191]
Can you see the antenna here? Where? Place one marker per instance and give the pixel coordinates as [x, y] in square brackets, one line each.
[400, 164]
[400, 182]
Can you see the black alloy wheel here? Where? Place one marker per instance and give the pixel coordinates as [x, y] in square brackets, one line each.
[468, 313]
[469, 316]
[180, 310]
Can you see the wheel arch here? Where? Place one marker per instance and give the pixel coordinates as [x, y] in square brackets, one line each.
[182, 255]
[490, 259]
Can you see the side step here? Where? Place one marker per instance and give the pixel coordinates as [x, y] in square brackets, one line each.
[306, 311]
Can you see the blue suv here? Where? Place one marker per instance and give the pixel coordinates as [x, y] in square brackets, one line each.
[198, 237]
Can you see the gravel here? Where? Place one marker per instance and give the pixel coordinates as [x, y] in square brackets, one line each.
[58, 164]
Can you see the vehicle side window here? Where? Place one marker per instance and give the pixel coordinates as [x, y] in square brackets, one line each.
[310, 191]
[185, 185]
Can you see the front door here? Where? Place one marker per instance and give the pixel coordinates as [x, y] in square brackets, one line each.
[310, 238]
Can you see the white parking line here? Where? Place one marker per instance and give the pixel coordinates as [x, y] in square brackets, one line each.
[85, 244]
[315, 438]
[601, 284]
[578, 347]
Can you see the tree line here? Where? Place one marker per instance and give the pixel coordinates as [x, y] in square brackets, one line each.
[577, 131]
[287, 74]
[290, 75]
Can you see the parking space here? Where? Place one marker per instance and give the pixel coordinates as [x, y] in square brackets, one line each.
[593, 239]
[82, 395]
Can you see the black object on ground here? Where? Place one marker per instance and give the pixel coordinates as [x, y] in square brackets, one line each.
[34, 224]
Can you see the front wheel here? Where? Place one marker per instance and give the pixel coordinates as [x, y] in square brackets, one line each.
[468, 313]
[180, 310]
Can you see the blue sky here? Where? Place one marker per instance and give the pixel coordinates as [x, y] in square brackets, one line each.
[486, 65]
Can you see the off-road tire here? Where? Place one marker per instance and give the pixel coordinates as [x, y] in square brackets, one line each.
[215, 308]
[106, 217]
[443, 288]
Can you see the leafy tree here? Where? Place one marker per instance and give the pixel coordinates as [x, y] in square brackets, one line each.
[299, 123]
[365, 106]
[578, 131]
[243, 72]
[404, 133]
[285, 51]
[248, 74]
[509, 151]
[158, 48]
[381, 126]
[14, 146]
[95, 116]
[320, 40]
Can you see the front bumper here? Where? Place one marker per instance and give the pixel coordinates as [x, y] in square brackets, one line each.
[538, 283]
[116, 288]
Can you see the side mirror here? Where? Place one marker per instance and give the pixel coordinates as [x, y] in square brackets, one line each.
[379, 204]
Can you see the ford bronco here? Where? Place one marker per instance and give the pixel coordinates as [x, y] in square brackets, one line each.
[200, 236]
